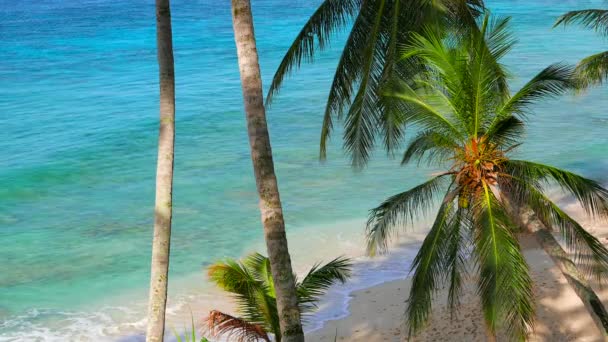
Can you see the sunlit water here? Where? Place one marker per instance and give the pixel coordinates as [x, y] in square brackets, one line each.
[78, 118]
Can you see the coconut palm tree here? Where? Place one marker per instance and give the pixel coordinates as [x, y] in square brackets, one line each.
[250, 281]
[164, 176]
[469, 125]
[263, 167]
[370, 55]
[592, 69]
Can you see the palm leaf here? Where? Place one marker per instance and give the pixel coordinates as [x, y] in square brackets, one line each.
[361, 120]
[234, 277]
[255, 301]
[455, 259]
[506, 132]
[429, 270]
[504, 282]
[589, 253]
[589, 193]
[234, 329]
[330, 16]
[319, 279]
[399, 209]
[251, 283]
[485, 78]
[595, 19]
[424, 110]
[435, 146]
[391, 120]
[369, 59]
[552, 81]
[347, 73]
[259, 266]
[592, 69]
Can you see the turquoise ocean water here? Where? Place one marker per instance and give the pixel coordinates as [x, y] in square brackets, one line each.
[78, 118]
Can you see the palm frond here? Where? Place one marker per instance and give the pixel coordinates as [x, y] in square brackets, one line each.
[462, 14]
[435, 146]
[379, 27]
[463, 81]
[329, 17]
[254, 298]
[362, 117]
[319, 279]
[595, 19]
[429, 270]
[590, 255]
[424, 110]
[455, 259]
[592, 70]
[258, 266]
[399, 209]
[504, 282]
[589, 193]
[506, 132]
[348, 72]
[498, 36]
[485, 78]
[554, 80]
[392, 120]
[235, 329]
[233, 277]
[392, 123]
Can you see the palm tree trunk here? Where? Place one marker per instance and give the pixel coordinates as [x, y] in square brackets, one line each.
[164, 176]
[263, 166]
[576, 280]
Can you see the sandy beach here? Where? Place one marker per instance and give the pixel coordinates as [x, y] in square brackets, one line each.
[377, 313]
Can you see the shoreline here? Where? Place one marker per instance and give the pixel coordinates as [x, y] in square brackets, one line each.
[369, 307]
[121, 316]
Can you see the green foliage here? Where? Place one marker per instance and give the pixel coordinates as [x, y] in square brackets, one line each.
[399, 209]
[469, 123]
[370, 57]
[595, 19]
[250, 282]
[593, 69]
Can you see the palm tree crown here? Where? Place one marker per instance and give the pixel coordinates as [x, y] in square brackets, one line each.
[592, 69]
[470, 123]
[369, 57]
[250, 281]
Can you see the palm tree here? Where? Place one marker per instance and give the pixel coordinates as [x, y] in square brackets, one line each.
[369, 57]
[470, 124]
[250, 281]
[164, 176]
[263, 167]
[592, 69]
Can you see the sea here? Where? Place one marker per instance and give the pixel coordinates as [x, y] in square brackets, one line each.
[78, 144]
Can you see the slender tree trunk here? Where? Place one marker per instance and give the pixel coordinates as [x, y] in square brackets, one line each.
[576, 280]
[164, 176]
[263, 166]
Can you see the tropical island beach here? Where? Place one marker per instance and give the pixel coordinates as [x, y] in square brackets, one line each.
[324, 170]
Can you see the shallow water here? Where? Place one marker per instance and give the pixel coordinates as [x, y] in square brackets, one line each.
[78, 108]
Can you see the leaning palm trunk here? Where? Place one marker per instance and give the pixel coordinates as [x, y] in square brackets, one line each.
[263, 166]
[164, 176]
[577, 281]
